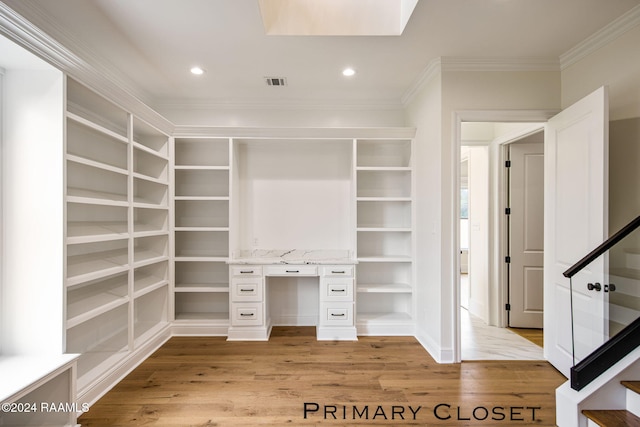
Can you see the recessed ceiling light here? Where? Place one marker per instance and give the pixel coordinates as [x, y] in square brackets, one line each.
[348, 72]
[197, 71]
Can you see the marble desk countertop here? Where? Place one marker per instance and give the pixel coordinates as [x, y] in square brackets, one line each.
[292, 256]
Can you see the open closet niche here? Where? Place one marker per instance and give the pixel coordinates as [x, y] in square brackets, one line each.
[293, 194]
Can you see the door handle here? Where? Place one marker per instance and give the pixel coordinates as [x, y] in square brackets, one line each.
[610, 288]
[597, 286]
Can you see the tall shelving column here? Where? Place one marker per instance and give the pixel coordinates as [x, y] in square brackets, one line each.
[384, 237]
[117, 234]
[97, 233]
[150, 223]
[201, 228]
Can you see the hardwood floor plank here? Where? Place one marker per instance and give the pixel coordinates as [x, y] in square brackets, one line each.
[205, 381]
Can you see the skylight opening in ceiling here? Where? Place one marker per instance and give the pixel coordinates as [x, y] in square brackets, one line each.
[336, 17]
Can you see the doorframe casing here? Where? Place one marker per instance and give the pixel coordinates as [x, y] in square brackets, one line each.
[497, 269]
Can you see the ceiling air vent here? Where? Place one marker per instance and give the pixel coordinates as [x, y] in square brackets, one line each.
[275, 81]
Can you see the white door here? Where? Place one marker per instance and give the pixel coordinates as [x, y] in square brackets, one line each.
[575, 205]
[526, 234]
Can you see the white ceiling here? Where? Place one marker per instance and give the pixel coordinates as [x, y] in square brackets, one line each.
[150, 45]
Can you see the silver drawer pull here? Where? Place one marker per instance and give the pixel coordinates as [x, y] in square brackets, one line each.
[246, 290]
[246, 271]
[293, 271]
[337, 315]
[338, 272]
[247, 314]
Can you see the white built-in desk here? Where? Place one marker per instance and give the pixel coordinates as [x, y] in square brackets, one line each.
[249, 312]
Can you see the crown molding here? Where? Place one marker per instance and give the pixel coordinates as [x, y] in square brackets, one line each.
[433, 68]
[475, 64]
[601, 38]
[84, 67]
[283, 105]
[500, 64]
[183, 131]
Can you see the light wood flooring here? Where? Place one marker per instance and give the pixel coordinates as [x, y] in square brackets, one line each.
[391, 381]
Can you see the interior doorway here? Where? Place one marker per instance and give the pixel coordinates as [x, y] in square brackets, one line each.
[485, 241]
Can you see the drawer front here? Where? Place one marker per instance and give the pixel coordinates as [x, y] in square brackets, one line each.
[291, 270]
[246, 289]
[336, 289]
[338, 271]
[246, 270]
[247, 314]
[336, 314]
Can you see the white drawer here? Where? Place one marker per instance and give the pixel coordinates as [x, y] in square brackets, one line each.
[246, 270]
[246, 289]
[336, 289]
[336, 313]
[338, 271]
[246, 314]
[291, 270]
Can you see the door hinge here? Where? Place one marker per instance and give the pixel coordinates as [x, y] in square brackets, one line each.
[507, 211]
[507, 164]
[507, 259]
[507, 307]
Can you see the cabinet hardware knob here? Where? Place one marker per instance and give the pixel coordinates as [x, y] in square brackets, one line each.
[246, 290]
[293, 271]
[338, 290]
[337, 272]
[246, 314]
[596, 286]
[337, 315]
[246, 271]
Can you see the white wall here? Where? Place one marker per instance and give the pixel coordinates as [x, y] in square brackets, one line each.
[424, 113]
[616, 65]
[32, 217]
[431, 111]
[293, 116]
[295, 195]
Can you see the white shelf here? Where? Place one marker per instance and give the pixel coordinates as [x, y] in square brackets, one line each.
[201, 183]
[384, 168]
[202, 152]
[202, 198]
[150, 137]
[202, 287]
[85, 103]
[383, 199]
[150, 313]
[221, 229]
[87, 232]
[209, 317]
[384, 229]
[149, 277]
[392, 288]
[202, 306]
[95, 298]
[96, 127]
[89, 266]
[383, 317]
[202, 168]
[383, 153]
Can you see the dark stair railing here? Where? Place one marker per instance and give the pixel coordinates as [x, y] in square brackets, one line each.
[622, 343]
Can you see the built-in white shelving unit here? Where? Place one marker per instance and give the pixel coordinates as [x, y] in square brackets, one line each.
[385, 238]
[118, 236]
[201, 226]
